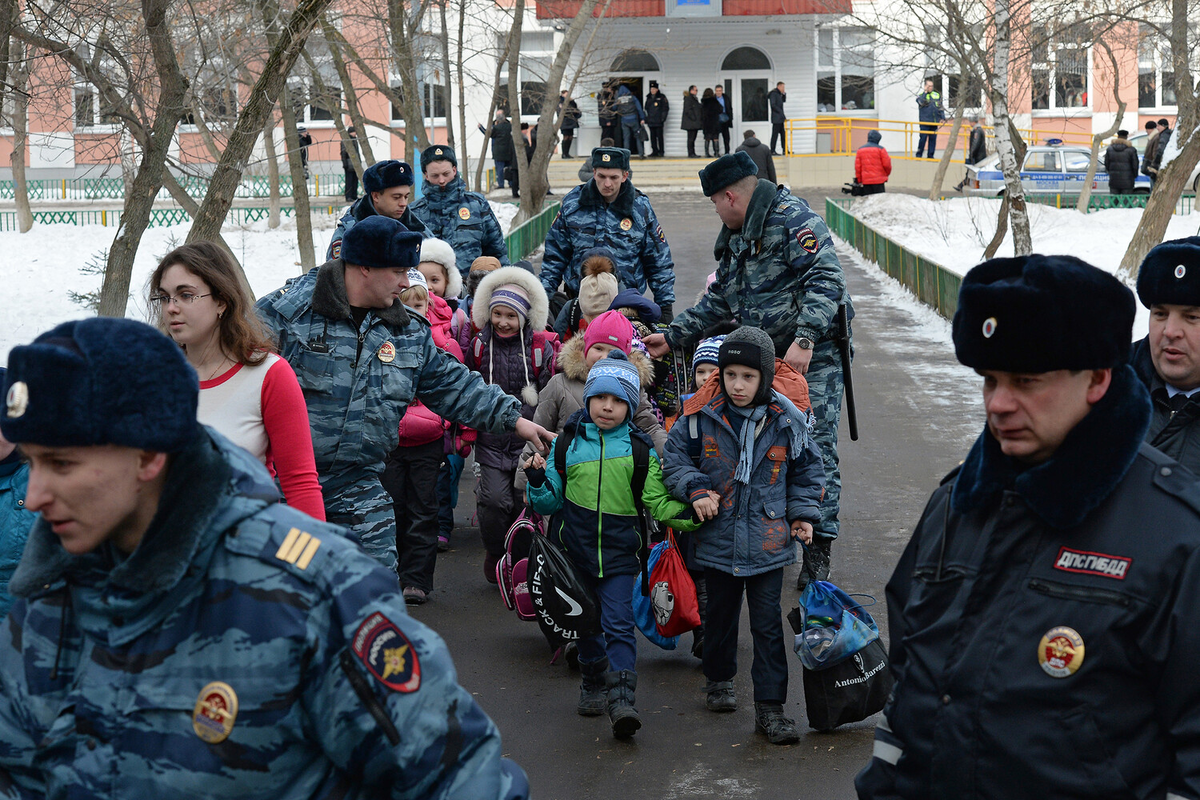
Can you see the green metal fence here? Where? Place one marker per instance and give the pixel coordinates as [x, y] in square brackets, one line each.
[159, 217]
[530, 234]
[114, 188]
[1099, 202]
[935, 285]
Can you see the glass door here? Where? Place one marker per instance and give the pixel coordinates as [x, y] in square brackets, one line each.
[751, 110]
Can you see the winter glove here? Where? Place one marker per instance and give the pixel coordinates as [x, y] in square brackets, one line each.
[536, 477]
[667, 314]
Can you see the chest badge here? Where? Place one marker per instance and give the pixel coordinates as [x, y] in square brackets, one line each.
[216, 710]
[464, 213]
[626, 224]
[387, 353]
[1061, 652]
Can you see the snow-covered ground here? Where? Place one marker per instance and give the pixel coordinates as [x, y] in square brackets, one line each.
[46, 265]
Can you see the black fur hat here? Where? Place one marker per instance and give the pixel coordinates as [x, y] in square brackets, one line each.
[1042, 313]
[1170, 275]
[438, 152]
[727, 169]
[382, 243]
[386, 174]
[610, 158]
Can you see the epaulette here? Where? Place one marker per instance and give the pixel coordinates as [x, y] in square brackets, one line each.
[287, 539]
[952, 474]
[1173, 478]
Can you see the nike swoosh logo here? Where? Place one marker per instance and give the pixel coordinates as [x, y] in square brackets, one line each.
[576, 609]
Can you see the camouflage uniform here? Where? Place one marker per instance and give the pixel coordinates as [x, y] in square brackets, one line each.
[358, 383]
[363, 208]
[464, 219]
[780, 273]
[627, 226]
[243, 650]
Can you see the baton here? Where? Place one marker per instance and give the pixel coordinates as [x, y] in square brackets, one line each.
[843, 340]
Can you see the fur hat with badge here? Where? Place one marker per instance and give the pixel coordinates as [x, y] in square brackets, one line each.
[521, 291]
[1170, 274]
[599, 286]
[381, 242]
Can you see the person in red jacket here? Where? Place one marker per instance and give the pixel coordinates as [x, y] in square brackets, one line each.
[872, 165]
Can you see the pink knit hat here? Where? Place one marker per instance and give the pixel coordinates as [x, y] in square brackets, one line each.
[611, 327]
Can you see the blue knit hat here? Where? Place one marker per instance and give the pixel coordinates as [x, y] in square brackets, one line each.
[386, 174]
[614, 374]
[101, 381]
[382, 243]
[438, 152]
[707, 352]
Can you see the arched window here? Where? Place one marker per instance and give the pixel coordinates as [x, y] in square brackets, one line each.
[746, 58]
[635, 61]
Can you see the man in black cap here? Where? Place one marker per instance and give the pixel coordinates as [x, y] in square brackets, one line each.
[1041, 616]
[454, 215]
[656, 107]
[1168, 359]
[389, 188]
[1121, 164]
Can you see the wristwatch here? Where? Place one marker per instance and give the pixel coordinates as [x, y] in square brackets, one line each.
[805, 343]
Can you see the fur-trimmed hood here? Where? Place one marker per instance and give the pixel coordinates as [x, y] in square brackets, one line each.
[572, 362]
[440, 252]
[539, 305]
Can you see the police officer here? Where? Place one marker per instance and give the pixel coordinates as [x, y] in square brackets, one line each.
[777, 271]
[1168, 360]
[454, 215]
[389, 187]
[608, 211]
[361, 359]
[179, 633]
[1040, 617]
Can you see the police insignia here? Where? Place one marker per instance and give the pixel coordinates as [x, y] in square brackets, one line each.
[17, 400]
[215, 712]
[387, 654]
[605, 157]
[1088, 563]
[1060, 652]
[387, 353]
[464, 213]
[989, 327]
[437, 152]
[337, 249]
[662, 237]
[626, 224]
[807, 240]
[1180, 271]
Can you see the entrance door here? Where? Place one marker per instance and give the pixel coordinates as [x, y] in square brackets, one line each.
[746, 76]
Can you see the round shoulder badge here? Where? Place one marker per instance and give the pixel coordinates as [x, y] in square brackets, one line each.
[387, 353]
[17, 400]
[1060, 652]
[215, 712]
[464, 213]
[626, 224]
[1180, 271]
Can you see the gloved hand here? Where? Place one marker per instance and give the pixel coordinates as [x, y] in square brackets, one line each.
[667, 314]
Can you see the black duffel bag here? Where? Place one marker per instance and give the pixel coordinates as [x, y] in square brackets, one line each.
[567, 610]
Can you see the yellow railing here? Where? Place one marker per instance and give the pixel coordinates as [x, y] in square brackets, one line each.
[840, 136]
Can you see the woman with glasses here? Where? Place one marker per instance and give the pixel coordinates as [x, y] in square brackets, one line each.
[247, 393]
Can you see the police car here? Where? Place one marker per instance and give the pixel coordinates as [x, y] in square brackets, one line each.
[1050, 168]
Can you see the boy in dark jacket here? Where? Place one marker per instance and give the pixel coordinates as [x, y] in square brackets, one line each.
[599, 529]
[747, 463]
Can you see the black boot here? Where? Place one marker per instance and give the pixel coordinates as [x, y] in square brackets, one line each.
[720, 697]
[592, 699]
[769, 719]
[816, 562]
[621, 713]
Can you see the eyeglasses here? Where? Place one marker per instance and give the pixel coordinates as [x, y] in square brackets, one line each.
[184, 298]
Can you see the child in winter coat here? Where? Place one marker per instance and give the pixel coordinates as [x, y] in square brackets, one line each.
[597, 289]
[480, 267]
[513, 351]
[746, 460]
[599, 529]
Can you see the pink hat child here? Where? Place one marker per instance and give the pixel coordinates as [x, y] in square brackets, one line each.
[611, 328]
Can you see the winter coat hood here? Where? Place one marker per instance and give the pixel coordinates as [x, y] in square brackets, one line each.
[441, 317]
[572, 362]
[440, 252]
[874, 137]
[539, 305]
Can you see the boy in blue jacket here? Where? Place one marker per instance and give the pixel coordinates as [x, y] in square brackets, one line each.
[747, 462]
[598, 527]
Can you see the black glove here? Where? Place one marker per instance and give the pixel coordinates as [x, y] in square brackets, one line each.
[536, 477]
[667, 314]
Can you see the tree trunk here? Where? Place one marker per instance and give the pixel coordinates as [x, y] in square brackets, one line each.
[1006, 136]
[210, 144]
[304, 238]
[20, 126]
[334, 102]
[1172, 180]
[173, 91]
[462, 92]
[446, 84]
[1085, 196]
[491, 117]
[253, 116]
[514, 107]
[403, 34]
[1001, 230]
[352, 106]
[935, 191]
[273, 202]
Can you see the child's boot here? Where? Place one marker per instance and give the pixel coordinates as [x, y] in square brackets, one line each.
[592, 697]
[769, 719]
[621, 713]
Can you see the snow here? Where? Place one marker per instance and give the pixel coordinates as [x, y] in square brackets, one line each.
[504, 213]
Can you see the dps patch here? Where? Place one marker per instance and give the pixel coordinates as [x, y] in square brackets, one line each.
[807, 240]
[387, 654]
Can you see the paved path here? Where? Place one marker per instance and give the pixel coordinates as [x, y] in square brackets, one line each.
[918, 412]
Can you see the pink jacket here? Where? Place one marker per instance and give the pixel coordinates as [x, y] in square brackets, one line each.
[441, 317]
[420, 425]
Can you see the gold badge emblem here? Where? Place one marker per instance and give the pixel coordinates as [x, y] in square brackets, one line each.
[989, 327]
[605, 157]
[17, 400]
[626, 224]
[216, 710]
[1060, 652]
[387, 353]
[464, 213]
[437, 152]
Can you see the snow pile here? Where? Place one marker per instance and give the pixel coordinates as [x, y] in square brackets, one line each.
[504, 213]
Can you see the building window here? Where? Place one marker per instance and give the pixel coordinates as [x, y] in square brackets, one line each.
[216, 88]
[635, 61]
[433, 97]
[845, 70]
[745, 58]
[533, 68]
[1156, 76]
[90, 109]
[1060, 68]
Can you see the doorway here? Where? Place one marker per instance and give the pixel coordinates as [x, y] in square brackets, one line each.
[746, 75]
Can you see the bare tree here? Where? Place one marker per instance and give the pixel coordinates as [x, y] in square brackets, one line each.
[939, 176]
[352, 106]
[273, 201]
[1085, 196]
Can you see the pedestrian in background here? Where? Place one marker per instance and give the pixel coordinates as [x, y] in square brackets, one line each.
[759, 153]
[657, 107]
[304, 139]
[502, 145]
[1160, 147]
[568, 110]
[976, 147]
[872, 165]
[610, 120]
[725, 118]
[15, 518]
[711, 112]
[1148, 168]
[693, 120]
[1121, 164]
[633, 116]
[777, 97]
[351, 193]
[930, 112]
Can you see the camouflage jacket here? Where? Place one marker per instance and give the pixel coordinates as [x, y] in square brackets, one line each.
[243, 650]
[464, 219]
[358, 383]
[780, 272]
[627, 226]
[363, 208]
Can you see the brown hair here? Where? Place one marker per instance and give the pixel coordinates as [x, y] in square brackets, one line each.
[243, 335]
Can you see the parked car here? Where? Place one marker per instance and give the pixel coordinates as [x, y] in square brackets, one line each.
[1139, 140]
[1048, 169]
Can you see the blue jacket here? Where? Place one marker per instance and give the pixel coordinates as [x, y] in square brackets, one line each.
[464, 219]
[627, 226]
[637, 116]
[15, 522]
[929, 107]
[752, 532]
[360, 210]
[243, 650]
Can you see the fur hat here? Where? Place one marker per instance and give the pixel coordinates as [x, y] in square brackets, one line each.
[381, 243]
[1042, 313]
[528, 284]
[614, 374]
[750, 347]
[438, 152]
[101, 381]
[386, 174]
[599, 284]
[440, 252]
[610, 158]
[728, 169]
[1170, 275]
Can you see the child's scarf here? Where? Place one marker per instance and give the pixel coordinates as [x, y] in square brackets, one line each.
[754, 419]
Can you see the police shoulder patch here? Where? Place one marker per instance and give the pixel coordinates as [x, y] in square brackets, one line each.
[337, 249]
[807, 240]
[387, 654]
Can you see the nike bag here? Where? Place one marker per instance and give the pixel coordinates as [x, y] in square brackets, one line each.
[566, 609]
[849, 691]
[644, 612]
[672, 593]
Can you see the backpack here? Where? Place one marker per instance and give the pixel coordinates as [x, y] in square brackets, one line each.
[625, 105]
[641, 468]
[537, 351]
[512, 570]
